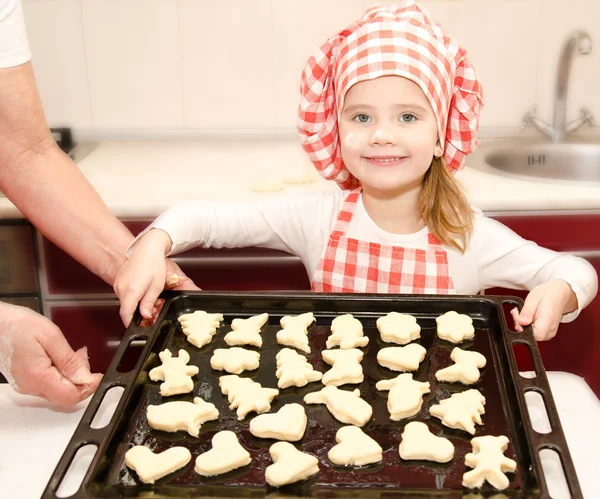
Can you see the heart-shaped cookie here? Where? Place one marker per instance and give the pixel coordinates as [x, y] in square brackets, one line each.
[226, 454]
[419, 443]
[288, 423]
[354, 448]
[289, 465]
[151, 467]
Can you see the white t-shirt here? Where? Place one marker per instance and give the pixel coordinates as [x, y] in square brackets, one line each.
[301, 224]
[14, 47]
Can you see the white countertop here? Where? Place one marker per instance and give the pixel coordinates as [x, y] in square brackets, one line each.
[141, 179]
[34, 434]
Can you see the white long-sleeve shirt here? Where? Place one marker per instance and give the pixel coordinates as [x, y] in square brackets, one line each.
[301, 224]
[14, 47]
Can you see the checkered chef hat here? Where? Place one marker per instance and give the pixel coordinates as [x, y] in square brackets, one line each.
[389, 40]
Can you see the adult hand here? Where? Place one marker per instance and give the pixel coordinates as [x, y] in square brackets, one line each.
[36, 359]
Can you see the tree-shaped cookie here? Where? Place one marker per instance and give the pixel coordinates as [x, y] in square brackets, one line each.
[489, 463]
[346, 367]
[294, 370]
[234, 360]
[461, 411]
[288, 423]
[247, 331]
[405, 358]
[151, 467]
[226, 454]
[246, 395]
[199, 326]
[180, 415]
[347, 332]
[175, 373]
[398, 328]
[347, 407]
[466, 367]
[405, 397]
[455, 327]
[295, 331]
[289, 465]
[354, 448]
[419, 443]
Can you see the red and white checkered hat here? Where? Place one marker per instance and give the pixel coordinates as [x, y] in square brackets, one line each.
[397, 40]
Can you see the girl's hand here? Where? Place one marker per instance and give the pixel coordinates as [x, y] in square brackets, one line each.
[544, 307]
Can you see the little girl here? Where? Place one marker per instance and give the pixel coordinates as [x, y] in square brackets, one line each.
[389, 110]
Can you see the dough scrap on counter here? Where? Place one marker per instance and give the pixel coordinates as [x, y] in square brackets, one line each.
[354, 448]
[406, 395]
[234, 360]
[295, 331]
[455, 327]
[289, 465]
[180, 415]
[294, 370]
[489, 463]
[405, 358]
[461, 410]
[247, 331]
[419, 443]
[246, 395]
[175, 373]
[267, 185]
[347, 407]
[151, 467]
[347, 332]
[398, 328]
[226, 454]
[345, 367]
[466, 367]
[288, 423]
[199, 326]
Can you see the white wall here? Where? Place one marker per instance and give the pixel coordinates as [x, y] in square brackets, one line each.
[199, 65]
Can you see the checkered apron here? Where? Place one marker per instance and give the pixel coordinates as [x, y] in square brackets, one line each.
[353, 266]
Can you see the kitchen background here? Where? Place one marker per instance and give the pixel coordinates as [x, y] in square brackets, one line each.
[120, 68]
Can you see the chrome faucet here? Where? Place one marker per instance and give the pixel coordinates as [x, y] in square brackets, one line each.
[560, 129]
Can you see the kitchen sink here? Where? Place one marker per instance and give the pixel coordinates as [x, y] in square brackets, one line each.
[576, 159]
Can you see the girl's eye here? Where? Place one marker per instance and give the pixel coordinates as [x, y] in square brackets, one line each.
[407, 118]
[362, 118]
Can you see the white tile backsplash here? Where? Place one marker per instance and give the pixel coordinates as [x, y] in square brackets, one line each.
[236, 64]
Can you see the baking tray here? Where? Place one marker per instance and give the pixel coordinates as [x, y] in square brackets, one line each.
[505, 410]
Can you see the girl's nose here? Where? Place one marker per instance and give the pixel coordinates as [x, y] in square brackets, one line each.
[382, 137]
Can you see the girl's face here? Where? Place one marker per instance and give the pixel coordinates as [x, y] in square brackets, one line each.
[388, 134]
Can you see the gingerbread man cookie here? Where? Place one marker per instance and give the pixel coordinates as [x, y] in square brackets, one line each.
[466, 367]
[406, 395]
[346, 368]
[247, 331]
[461, 411]
[295, 331]
[288, 423]
[199, 326]
[234, 360]
[226, 454]
[246, 395]
[347, 407]
[489, 463]
[347, 332]
[175, 373]
[289, 465]
[455, 327]
[294, 370]
[398, 328]
[419, 443]
[180, 415]
[151, 467]
[354, 448]
[405, 358]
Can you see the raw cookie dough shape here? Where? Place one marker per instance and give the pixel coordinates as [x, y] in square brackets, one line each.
[489, 463]
[347, 407]
[199, 326]
[455, 327]
[346, 368]
[294, 370]
[354, 448]
[234, 360]
[405, 358]
[347, 332]
[288, 423]
[247, 331]
[246, 395]
[289, 465]
[419, 443]
[267, 185]
[406, 395]
[461, 410]
[180, 415]
[175, 373]
[295, 331]
[226, 454]
[466, 367]
[151, 467]
[398, 328]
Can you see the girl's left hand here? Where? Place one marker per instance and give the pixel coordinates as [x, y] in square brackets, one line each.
[544, 307]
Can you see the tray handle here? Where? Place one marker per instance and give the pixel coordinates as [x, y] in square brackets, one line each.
[554, 439]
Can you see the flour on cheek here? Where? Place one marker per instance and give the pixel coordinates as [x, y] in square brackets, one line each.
[355, 140]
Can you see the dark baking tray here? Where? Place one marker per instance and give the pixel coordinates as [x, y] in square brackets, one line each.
[505, 411]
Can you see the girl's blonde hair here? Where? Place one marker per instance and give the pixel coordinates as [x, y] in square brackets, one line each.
[444, 207]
